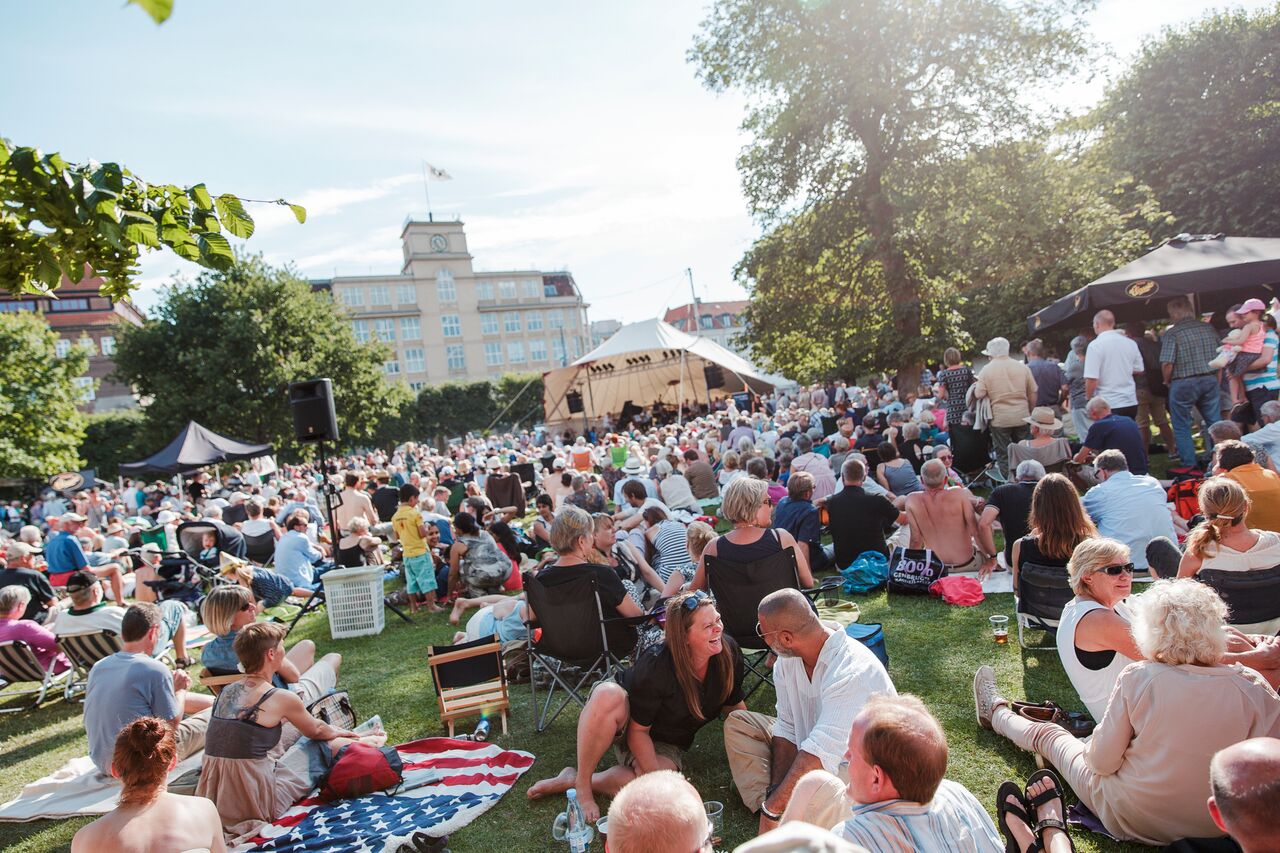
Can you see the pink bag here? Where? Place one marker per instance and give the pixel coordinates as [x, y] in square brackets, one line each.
[956, 589]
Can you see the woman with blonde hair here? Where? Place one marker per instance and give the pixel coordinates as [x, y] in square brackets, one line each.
[1143, 770]
[268, 587]
[1057, 523]
[147, 816]
[653, 714]
[747, 505]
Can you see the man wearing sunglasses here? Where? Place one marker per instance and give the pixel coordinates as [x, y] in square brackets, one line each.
[823, 678]
[1129, 507]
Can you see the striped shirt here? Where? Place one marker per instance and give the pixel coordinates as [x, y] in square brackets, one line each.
[1189, 345]
[1266, 377]
[671, 547]
[953, 822]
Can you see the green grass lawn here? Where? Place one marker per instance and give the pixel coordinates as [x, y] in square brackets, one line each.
[933, 651]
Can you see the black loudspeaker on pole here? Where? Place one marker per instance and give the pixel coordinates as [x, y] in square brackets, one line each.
[574, 399]
[714, 376]
[314, 418]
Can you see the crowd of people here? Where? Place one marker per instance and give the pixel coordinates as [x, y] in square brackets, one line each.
[829, 473]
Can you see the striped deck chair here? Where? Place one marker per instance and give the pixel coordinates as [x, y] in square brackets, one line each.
[84, 650]
[19, 665]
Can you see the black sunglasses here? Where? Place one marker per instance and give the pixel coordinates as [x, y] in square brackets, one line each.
[1124, 568]
[692, 602]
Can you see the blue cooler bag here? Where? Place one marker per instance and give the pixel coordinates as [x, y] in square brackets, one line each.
[868, 571]
[870, 635]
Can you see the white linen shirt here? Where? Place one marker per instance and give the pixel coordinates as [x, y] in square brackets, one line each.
[816, 714]
[1112, 358]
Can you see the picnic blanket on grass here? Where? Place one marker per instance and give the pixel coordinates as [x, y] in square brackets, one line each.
[75, 788]
[447, 784]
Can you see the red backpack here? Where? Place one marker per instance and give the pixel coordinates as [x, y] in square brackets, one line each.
[1184, 494]
[359, 769]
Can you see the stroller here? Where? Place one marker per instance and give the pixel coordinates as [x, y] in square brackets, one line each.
[973, 457]
[182, 575]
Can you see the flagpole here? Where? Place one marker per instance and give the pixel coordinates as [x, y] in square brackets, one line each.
[426, 186]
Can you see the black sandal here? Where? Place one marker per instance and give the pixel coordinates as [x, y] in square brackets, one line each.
[1054, 793]
[1003, 810]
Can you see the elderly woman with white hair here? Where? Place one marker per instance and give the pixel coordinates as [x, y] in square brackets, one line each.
[1143, 772]
[674, 489]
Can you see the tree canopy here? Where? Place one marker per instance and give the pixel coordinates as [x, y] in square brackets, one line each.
[1197, 118]
[223, 348]
[855, 107]
[40, 424]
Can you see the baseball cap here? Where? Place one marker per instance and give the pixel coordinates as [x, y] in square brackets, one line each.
[73, 516]
[494, 462]
[558, 463]
[1253, 305]
[80, 580]
[17, 550]
[166, 516]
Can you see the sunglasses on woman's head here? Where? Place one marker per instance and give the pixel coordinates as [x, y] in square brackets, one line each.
[691, 603]
[1124, 568]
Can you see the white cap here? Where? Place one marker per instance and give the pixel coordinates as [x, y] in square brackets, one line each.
[997, 347]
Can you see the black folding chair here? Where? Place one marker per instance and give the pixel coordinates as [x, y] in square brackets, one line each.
[19, 665]
[261, 549]
[528, 478]
[973, 457]
[1041, 594]
[1251, 597]
[738, 589]
[574, 635]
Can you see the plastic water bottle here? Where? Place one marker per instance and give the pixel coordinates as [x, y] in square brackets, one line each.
[571, 826]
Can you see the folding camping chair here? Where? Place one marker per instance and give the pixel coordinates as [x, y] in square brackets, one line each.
[973, 457]
[215, 683]
[568, 631]
[469, 679]
[1041, 594]
[18, 665]
[528, 479]
[84, 650]
[1251, 597]
[261, 549]
[738, 589]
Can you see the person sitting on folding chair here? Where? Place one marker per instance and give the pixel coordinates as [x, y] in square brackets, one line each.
[652, 714]
[13, 603]
[1057, 522]
[89, 613]
[296, 558]
[823, 678]
[749, 508]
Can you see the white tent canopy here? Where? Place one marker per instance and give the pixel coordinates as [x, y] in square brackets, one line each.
[644, 363]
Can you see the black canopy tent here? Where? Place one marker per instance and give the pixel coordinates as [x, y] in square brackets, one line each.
[193, 448]
[1216, 271]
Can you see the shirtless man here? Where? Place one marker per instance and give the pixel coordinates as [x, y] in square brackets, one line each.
[944, 521]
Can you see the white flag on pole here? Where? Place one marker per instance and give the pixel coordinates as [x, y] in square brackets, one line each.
[438, 174]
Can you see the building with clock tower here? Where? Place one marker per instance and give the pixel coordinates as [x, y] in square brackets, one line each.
[447, 321]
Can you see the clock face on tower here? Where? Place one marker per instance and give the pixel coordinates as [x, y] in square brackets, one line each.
[440, 243]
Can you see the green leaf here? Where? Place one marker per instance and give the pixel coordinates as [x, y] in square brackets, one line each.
[159, 10]
[215, 249]
[140, 228]
[299, 212]
[200, 195]
[234, 217]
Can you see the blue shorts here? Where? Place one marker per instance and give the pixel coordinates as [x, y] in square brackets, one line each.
[420, 574]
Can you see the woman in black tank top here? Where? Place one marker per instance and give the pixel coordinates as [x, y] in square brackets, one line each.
[748, 506]
[1057, 524]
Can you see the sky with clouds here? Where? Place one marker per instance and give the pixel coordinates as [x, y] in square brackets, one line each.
[576, 133]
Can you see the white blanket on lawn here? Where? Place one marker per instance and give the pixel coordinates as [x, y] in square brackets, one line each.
[75, 788]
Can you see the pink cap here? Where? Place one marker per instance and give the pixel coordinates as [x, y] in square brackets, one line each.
[1253, 305]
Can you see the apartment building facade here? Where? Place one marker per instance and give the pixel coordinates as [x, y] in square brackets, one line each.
[82, 316]
[447, 321]
[720, 321]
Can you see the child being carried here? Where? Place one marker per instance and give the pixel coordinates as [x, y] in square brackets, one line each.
[1242, 346]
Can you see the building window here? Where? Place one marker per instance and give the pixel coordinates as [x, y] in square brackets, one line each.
[18, 305]
[726, 321]
[380, 295]
[493, 354]
[415, 387]
[451, 325]
[531, 287]
[108, 344]
[415, 360]
[704, 322]
[538, 349]
[515, 352]
[385, 329]
[557, 350]
[577, 347]
[391, 368]
[410, 329]
[406, 294]
[352, 297]
[56, 305]
[534, 320]
[511, 321]
[361, 328]
[555, 319]
[456, 357]
[484, 291]
[489, 324]
[679, 324]
[87, 392]
[62, 347]
[446, 290]
[507, 289]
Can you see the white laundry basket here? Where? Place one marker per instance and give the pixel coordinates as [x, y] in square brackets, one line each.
[353, 598]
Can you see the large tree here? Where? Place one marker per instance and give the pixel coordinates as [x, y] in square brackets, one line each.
[40, 424]
[223, 348]
[854, 104]
[1197, 117]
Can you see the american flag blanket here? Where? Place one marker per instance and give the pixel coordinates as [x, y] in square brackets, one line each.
[463, 780]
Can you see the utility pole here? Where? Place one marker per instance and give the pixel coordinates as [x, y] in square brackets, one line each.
[697, 323]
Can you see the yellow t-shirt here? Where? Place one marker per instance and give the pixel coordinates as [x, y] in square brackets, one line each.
[407, 523]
